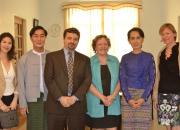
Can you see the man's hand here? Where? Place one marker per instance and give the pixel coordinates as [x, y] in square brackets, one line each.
[24, 111]
[64, 100]
[72, 100]
[67, 101]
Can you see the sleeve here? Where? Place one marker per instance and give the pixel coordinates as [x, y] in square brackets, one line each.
[151, 79]
[123, 79]
[156, 84]
[83, 88]
[21, 82]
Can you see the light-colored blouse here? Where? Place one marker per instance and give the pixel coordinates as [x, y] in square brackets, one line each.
[9, 79]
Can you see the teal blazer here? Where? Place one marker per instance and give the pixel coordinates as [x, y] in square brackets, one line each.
[94, 108]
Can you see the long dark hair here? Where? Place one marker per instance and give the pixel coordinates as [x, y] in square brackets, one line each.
[135, 29]
[11, 54]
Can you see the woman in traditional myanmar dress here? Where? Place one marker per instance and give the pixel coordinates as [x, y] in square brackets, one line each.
[137, 74]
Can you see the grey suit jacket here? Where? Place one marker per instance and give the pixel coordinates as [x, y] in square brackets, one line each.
[28, 73]
[56, 79]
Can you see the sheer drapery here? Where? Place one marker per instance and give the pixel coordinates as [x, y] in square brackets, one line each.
[114, 23]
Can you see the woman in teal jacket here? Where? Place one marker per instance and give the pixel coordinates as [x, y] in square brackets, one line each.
[103, 100]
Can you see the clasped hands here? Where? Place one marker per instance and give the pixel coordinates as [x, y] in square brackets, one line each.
[6, 108]
[67, 101]
[136, 103]
[107, 100]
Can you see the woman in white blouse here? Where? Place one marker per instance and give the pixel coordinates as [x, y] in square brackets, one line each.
[8, 89]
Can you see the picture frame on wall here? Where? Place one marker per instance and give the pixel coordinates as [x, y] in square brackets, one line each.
[35, 22]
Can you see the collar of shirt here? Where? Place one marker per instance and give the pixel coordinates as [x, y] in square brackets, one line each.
[38, 53]
[67, 55]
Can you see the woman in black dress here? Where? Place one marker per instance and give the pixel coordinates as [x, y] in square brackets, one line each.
[103, 101]
[167, 88]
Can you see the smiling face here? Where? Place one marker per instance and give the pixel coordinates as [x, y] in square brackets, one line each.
[71, 41]
[38, 40]
[5, 45]
[136, 40]
[102, 46]
[167, 36]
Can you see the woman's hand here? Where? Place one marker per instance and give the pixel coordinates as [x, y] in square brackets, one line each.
[4, 108]
[13, 105]
[104, 100]
[155, 104]
[24, 111]
[110, 99]
[132, 103]
[140, 102]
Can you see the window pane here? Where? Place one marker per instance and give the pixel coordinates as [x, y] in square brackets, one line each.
[116, 25]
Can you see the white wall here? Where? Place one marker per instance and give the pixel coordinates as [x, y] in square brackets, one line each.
[173, 11]
[172, 14]
[26, 9]
[50, 14]
[153, 15]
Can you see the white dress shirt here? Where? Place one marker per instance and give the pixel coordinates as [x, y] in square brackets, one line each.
[9, 78]
[41, 71]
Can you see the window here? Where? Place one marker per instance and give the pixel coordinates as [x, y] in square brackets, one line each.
[19, 24]
[113, 21]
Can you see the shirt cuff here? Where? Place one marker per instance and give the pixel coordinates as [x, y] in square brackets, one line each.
[77, 99]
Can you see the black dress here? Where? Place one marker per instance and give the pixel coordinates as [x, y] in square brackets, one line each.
[169, 89]
[108, 121]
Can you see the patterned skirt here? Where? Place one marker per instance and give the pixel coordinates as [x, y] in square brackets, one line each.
[136, 119]
[169, 109]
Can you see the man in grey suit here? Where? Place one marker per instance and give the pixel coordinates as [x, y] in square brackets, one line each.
[68, 77]
[32, 89]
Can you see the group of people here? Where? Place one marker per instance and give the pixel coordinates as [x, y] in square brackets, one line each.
[65, 89]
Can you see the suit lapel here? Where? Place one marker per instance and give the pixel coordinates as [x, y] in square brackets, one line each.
[63, 62]
[76, 63]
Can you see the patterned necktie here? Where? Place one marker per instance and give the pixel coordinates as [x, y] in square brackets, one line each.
[70, 73]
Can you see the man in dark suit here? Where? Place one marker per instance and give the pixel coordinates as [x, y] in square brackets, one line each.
[68, 78]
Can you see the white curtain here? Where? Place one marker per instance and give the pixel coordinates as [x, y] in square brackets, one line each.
[114, 23]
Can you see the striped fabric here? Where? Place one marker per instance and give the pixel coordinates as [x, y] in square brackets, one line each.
[136, 119]
[37, 117]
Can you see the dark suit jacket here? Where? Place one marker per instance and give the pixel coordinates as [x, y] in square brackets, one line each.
[56, 79]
